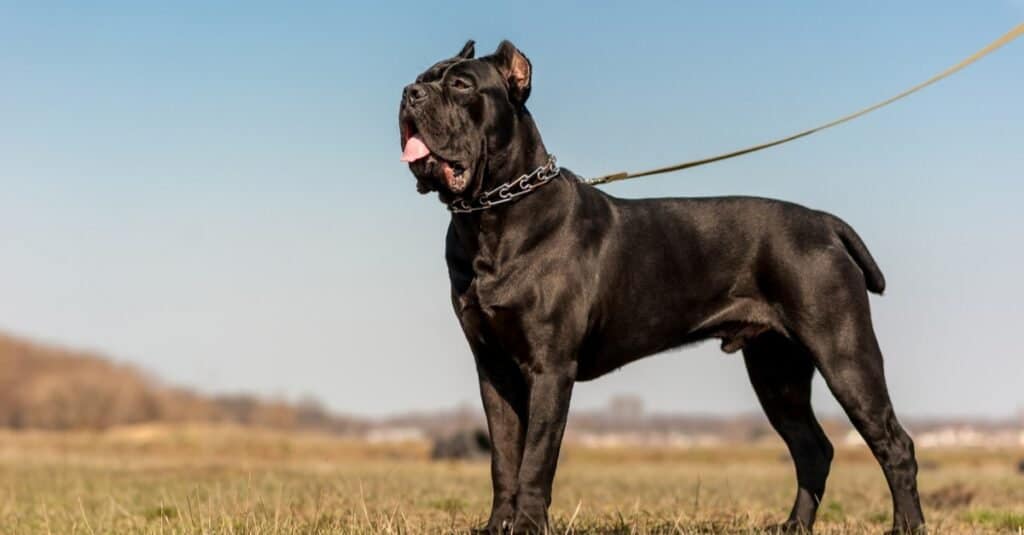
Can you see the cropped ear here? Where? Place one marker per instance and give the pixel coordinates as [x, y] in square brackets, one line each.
[468, 50]
[516, 69]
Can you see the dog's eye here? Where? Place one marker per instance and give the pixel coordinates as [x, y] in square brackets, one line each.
[460, 84]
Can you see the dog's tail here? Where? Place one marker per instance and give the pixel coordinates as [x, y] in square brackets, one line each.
[855, 246]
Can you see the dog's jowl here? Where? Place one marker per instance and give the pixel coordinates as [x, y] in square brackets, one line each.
[555, 282]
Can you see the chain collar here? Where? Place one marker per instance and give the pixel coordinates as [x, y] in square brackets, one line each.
[509, 191]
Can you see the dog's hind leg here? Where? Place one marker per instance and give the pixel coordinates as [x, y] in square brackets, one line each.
[846, 352]
[780, 372]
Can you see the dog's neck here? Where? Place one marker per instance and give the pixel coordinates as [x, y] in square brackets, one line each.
[537, 212]
[525, 153]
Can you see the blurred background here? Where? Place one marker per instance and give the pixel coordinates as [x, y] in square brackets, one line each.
[203, 218]
[213, 194]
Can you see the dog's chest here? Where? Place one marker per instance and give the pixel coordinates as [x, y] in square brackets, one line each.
[485, 303]
[476, 318]
[465, 280]
[475, 304]
[493, 287]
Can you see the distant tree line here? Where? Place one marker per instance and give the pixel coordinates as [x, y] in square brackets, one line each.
[44, 387]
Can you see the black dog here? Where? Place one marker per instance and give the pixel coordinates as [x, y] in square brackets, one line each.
[555, 282]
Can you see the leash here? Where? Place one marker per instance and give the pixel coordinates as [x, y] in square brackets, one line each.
[1010, 36]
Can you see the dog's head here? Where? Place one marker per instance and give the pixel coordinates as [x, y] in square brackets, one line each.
[458, 119]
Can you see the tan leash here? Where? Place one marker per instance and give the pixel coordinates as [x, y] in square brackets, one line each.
[1010, 36]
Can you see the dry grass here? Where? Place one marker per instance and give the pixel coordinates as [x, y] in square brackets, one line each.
[157, 480]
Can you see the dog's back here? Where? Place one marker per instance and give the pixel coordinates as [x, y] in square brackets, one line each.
[714, 267]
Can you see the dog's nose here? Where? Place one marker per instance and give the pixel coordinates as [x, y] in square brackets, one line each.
[414, 94]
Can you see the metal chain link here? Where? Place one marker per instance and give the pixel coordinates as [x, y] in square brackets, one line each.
[509, 191]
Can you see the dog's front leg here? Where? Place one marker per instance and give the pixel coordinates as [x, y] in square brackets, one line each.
[550, 392]
[504, 394]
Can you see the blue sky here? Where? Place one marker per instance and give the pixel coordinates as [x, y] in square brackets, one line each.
[213, 190]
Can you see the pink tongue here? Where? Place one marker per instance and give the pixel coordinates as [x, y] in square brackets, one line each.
[415, 149]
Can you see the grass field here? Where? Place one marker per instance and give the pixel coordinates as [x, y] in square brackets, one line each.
[216, 480]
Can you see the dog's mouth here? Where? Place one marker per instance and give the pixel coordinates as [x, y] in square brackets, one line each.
[416, 153]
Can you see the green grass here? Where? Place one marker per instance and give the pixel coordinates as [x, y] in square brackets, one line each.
[214, 481]
[1000, 520]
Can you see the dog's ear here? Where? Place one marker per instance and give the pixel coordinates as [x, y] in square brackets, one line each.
[468, 50]
[516, 69]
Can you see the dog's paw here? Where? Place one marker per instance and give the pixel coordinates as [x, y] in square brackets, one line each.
[490, 529]
[530, 523]
[500, 521]
[789, 527]
[908, 530]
